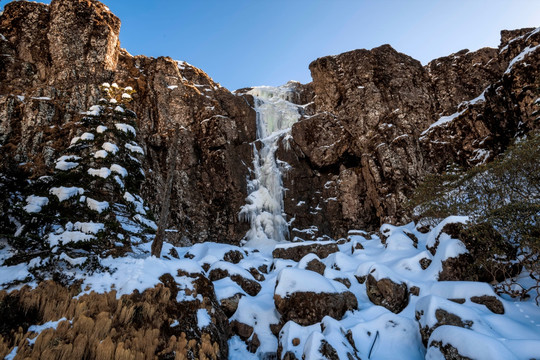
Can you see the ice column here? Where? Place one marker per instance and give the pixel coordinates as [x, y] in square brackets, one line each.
[264, 204]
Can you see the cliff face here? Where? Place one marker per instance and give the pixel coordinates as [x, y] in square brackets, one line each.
[365, 141]
[54, 58]
[383, 121]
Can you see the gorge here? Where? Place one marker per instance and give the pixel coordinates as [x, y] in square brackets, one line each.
[291, 232]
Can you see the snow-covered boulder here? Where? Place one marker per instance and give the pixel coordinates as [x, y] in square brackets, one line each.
[239, 275]
[451, 342]
[296, 251]
[305, 297]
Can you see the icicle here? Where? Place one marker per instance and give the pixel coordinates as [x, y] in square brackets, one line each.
[264, 207]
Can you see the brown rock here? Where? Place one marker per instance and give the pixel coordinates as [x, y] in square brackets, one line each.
[387, 293]
[297, 251]
[250, 286]
[491, 302]
[316, 265]
[230, 304]
[308, 308]
[241, 329]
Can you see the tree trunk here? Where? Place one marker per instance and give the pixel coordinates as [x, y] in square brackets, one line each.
[164, 215]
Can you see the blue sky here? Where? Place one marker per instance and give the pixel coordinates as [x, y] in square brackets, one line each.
[253, 42]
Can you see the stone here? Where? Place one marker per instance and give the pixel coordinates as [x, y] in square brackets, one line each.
[387, 293]
[298, 250]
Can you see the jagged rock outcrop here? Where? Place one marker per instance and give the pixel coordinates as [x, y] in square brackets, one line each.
[54, 58]
[366, 138]
[382, 121]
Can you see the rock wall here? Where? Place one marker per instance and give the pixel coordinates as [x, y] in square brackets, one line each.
[364, 142]
[382, 121]
[54, 58]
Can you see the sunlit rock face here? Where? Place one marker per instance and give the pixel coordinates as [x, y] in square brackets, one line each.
[363, 133]
[381, 121]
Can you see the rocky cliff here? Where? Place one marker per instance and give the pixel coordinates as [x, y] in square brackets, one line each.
[53, 59]
[375, 121]
[382, 121]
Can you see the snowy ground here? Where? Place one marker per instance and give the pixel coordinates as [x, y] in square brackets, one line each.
[376, 332]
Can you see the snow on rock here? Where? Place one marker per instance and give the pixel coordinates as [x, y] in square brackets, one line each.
[110, 147]
[98, 206]
[203, 318]
[442, 121]
[119, 109]
[519, 58]
[435, 233]
[466, 343]
[64, 193]
[297, 280]
[34, 204]
[125, 128]
[103, 172]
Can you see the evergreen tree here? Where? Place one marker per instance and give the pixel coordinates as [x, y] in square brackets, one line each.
[90, 206]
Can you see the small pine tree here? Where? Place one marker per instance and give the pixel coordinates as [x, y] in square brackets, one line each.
[90, 206]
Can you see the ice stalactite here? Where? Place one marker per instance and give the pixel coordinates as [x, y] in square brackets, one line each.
[264, 204]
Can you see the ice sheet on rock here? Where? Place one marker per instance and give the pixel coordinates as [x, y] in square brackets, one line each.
[64, 193]
[264, 205]
[125, 128]
[34, 204]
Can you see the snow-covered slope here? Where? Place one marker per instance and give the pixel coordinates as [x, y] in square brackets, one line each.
[254, 289]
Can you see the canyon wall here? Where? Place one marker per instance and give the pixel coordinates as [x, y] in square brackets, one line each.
[375, 121]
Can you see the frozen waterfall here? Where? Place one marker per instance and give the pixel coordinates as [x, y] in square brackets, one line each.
[264, 204]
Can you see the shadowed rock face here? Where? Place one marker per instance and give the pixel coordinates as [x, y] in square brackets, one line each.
[363, 143]
[55, 58]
